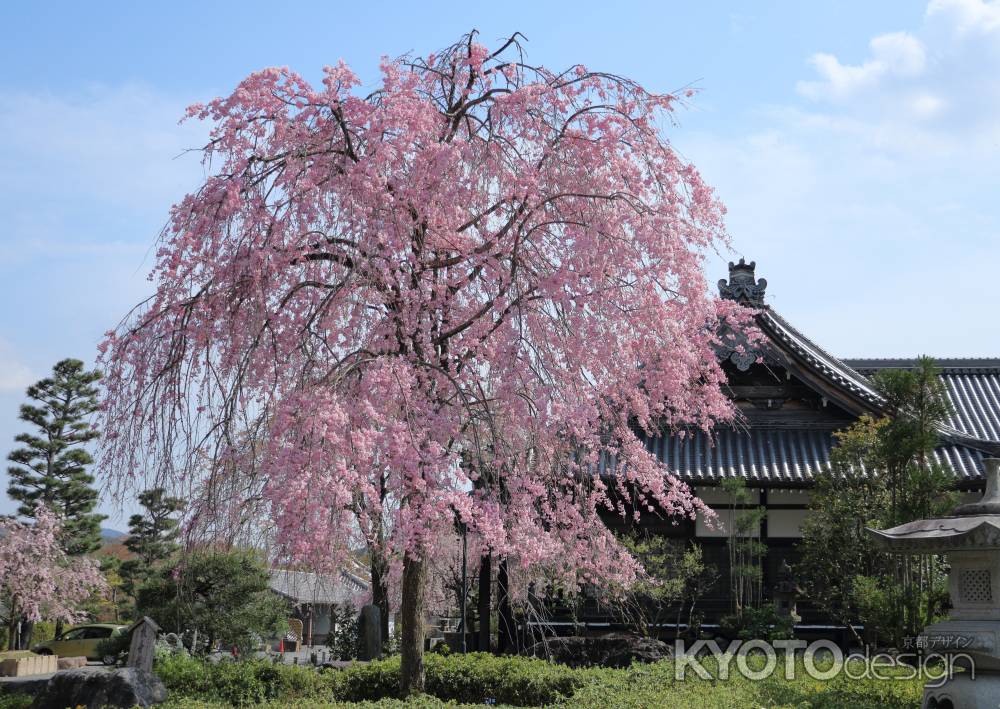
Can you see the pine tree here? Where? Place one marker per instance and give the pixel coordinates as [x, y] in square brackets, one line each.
[51, 468]
[152, 537]
[883, 473]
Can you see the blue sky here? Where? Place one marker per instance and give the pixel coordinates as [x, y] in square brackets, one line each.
[856, 145]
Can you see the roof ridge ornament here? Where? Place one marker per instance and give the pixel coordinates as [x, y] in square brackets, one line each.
[743, 286]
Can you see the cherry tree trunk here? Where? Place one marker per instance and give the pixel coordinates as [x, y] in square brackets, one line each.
[411, 670]
[485, 587]
[27, 633]
[380, 591]
[505, 613]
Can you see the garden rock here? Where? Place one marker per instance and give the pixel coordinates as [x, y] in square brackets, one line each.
[94, 687]
[611, 650]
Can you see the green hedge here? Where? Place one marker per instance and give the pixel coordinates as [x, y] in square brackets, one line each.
[245, 683]
[16, 701]
[421, 702]
[474, 678]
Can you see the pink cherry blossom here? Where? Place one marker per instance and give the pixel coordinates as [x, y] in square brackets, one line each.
[464, 293]
[37, 579]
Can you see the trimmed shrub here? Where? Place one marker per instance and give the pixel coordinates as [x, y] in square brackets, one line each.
[471, 680]
[243, 683]
[474, 678]
[16, 701]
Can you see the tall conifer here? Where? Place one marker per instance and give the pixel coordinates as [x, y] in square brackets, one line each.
[152, 537]
[51, 467]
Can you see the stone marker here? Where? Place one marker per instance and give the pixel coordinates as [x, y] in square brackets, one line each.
[370, 632]
[143, 646]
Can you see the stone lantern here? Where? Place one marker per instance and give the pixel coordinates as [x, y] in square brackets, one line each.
[786, 594]
[971, 539]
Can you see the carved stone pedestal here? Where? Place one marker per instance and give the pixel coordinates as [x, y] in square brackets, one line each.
[963, 692]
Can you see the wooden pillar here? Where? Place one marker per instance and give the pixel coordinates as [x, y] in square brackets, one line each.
[485, 588]
[765, 580]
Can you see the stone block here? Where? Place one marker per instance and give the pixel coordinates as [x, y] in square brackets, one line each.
[71, 663]
[27, 666]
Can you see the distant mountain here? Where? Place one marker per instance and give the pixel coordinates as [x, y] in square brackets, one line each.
[112, 535]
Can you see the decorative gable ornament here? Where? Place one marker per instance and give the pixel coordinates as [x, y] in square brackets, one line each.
[743, 286]
[746, 289]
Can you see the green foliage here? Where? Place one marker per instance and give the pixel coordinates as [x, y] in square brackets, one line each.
[243, 683]
[417, 702]
[473, 680]
[919, 404]
[442, 648]
[879, 600]
[345, 638]
[762, 623]
[677, 578]
[51, 467]
[113, 605]
[746, 552]
[42, 631]
[882, 475]
[391, 645]
[20, 700]
[152, 537]
[225, 596]
[116, 646]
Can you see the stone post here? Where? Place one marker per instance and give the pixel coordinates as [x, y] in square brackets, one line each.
[370, 632]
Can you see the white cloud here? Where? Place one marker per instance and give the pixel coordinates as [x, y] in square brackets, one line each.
[966, 16]
[870, 205]
[933, 90]
[897, 54]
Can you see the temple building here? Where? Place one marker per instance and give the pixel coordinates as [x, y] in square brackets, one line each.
[791, 397]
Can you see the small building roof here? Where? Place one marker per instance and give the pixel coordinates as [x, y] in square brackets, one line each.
[306, 587]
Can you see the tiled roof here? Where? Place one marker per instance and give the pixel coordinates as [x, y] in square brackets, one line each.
[775, 455]
[838, 372]
[308, 587]
[796, 455]
[790, 453]
[973, 389]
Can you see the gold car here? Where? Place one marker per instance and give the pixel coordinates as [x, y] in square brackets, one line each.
[82, 641]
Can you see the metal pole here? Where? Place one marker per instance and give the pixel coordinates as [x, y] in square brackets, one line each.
[465, 588]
